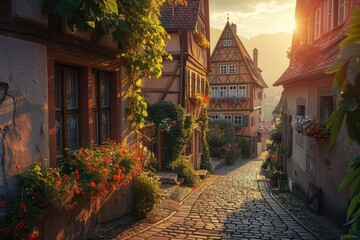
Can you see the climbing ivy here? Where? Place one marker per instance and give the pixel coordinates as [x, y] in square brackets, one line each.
[347, 82]
[135, 25]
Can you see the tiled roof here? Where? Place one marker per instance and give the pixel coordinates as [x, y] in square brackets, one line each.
[325, 54]
[180, 17]
[326, 50]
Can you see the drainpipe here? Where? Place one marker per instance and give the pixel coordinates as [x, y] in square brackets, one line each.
[181, 99]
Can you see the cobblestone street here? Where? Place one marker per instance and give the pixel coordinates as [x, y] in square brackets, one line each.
[229, 205]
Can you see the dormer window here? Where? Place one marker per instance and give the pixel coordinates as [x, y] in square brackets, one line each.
[227, 43]
[317, 23]
[227, 34]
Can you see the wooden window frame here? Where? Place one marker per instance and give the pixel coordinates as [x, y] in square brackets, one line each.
[342, 8]
[223, 69]
[101, 109]
[242, 88]
[225, 89]
[63, 111]
[231, 69]
[236, 92]
[317, 24]
[227, 34]
[228, 117]
[238, 118]
[328, 15]
[212, 90]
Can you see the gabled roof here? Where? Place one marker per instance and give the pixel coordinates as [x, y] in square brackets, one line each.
[245, 55]
[180, 17]
[325, 51]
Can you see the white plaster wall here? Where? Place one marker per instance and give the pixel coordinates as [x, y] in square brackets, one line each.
[30, 9]
[23, 67]
[291, 94]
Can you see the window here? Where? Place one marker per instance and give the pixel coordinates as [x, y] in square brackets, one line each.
[198, 84]
[223, 69]
[223, 91]
[231, 69]
[242, 91]
[342, 10]
[188, 82]
[328, 15]
[214, 116]
[252, 121]
[100, 95]
[227, 34]
[233, 91]
[228, 117]
[317, 23]
[66, 110]
[193, 84]
[227, 43]
[214, 92]
[326, 107]
[237, 119]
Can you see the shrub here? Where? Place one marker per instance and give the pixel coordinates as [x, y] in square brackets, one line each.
[146, 193]
[265, 165]
[184, 168]
[245, 146]
[231, 157]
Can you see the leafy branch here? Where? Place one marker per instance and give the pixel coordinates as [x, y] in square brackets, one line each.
[347, 82]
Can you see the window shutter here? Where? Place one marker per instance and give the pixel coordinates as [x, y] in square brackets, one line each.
[244, 120]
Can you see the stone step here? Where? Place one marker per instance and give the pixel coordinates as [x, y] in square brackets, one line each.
[202, 173]
[168, 177]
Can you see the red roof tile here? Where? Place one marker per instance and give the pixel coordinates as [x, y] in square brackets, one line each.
[180, 17]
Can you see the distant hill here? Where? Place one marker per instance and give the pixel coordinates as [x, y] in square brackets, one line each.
[272, 58]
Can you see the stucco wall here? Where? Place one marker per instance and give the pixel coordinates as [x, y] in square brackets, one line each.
[30, 10]
[23, 67]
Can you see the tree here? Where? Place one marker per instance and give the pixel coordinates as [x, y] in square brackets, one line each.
[347, 82]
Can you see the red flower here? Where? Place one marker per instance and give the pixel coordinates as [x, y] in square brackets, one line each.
[7, 230]
[41, 217]
[66, 177]
[81, 149]
[19, 226]
[76, 171]
[21, 214]
[92, 183]
[103, 149]
[124, 151]
[2, 203]
[23, 206]
[105, 171]
[137, 159]
[17, 166]
[116, 165]
[77, 177]
[107, 160]
[31, 236]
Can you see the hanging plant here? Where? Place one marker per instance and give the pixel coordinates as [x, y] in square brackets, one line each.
[201, 40]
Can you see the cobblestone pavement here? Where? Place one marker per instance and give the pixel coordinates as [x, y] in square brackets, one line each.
[229, 205]
[316, 223]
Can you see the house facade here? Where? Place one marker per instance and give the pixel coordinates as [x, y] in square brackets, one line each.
[184, 77]
[236, 85]
[63, 90]
[311, 168]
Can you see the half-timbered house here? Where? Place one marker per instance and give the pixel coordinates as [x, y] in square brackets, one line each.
[236, 85]
[184, 77]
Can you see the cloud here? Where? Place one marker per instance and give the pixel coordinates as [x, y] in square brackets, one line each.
[254, 16]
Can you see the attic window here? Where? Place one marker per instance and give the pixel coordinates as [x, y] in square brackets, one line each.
[227, 34]
[227, 43]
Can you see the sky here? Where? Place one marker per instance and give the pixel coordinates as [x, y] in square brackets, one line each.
[254, 17]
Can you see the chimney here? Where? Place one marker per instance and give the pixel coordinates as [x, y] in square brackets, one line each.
[255, 61]
[233, 27]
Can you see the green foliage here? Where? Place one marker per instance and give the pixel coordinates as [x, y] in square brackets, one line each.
[221, 132]
[347, 81]
[231, 157]
[245, 146]
[276, 135]
[184, 168]
[146, 193]
[178, 136]
[205, 156]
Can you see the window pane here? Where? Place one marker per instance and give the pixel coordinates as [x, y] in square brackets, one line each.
[242, 91]
[105, 126]
[214, 92]
[104, 89]
[58, 129]
[72, 135]
[57, 88]
[95, 87]
[71, 89]
[96, 128]
[232, 91]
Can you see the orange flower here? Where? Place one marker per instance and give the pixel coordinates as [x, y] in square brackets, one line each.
[124, 151]
[105, 171]
[17, 166]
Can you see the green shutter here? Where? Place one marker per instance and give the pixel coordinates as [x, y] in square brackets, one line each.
[244, 120]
